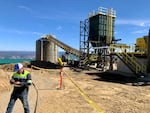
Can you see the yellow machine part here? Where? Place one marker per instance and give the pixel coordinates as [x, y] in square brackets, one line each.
[141, 44]
[60, 62]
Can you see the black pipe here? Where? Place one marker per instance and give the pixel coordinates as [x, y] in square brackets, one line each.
[36, 97]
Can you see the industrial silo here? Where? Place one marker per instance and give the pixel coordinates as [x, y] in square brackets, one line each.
[101, 27]
[39, 56]
[46, 50]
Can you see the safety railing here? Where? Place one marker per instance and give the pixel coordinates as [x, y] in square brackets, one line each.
[93, 58]
[143, 67]
[131, 62]
[88, 59]
[85, 60]
[123, 52]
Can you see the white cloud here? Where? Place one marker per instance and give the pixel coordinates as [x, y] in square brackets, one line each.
[115, 32]
[59, 28]
[36, 33]
[16, 31]
[24, 8]
[141, 23]
[59, 15]
[144, 31]
[45, 17]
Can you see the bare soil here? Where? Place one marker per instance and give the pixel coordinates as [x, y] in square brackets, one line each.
[110, 92]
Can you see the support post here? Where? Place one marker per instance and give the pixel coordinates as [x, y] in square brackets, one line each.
[41, 50]
[148, 53]
[61, 78]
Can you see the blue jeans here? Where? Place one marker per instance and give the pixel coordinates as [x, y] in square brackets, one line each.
[23, 96]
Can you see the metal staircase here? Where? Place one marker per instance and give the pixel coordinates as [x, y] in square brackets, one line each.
[133, 63]
[88, 60]
[91, 58]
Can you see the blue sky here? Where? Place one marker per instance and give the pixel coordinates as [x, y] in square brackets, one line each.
[22, 22]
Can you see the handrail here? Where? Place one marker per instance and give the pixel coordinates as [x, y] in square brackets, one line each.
[127, 61]
[143, 67]
[132, 60]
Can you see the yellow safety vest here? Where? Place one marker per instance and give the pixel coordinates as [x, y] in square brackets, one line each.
[22, 76]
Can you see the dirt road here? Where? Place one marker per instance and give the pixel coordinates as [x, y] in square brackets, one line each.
[109, 96]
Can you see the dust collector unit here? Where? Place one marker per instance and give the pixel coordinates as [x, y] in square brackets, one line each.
[101, 27]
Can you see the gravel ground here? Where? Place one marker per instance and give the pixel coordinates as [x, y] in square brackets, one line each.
[99, 93]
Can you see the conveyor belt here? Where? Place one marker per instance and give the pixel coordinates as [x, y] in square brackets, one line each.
[63, 46]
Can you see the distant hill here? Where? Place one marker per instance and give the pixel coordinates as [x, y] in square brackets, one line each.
[26, 55]
[17, 55]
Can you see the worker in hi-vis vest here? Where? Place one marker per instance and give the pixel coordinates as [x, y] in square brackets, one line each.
[21, 79]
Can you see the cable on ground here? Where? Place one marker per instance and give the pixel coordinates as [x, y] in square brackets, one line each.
[36, 97]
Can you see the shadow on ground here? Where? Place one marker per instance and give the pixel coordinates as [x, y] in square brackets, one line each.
[45, 65]
[119, 78]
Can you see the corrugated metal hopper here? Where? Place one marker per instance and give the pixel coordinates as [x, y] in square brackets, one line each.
[101, 27]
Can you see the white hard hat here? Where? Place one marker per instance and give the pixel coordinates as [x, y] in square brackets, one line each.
[17, 67]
